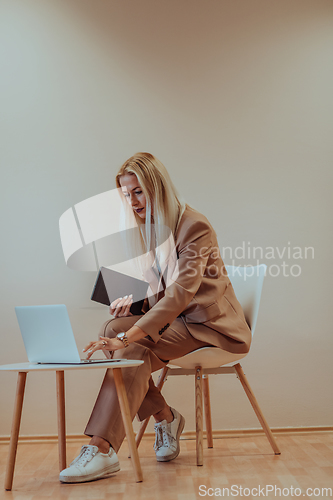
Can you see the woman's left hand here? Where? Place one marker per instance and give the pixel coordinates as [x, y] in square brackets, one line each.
[104, 344]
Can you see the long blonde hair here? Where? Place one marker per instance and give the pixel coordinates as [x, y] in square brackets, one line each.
[161, 196]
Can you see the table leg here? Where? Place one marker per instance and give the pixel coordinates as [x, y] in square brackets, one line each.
[125, 412]
[60, 377]
[15, 429]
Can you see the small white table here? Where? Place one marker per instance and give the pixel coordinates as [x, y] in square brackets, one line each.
[23, 368]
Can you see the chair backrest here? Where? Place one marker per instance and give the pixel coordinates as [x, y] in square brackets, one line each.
[247, 283]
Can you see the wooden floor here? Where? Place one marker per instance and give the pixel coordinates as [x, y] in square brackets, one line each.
[306, 462]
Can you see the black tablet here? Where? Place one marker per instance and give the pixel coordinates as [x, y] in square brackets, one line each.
[111, 285]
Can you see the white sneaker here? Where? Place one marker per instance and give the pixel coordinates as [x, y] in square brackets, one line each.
[90, 464]
[167, 437]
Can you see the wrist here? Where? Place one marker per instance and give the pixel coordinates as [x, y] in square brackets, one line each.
[118, 344]
[122, 337]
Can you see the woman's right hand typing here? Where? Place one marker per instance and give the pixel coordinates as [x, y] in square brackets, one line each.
[121, 307]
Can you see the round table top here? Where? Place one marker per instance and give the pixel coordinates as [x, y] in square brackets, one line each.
[27, 367]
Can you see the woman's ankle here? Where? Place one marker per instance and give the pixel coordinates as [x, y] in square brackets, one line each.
[101, 443]
[165, 414]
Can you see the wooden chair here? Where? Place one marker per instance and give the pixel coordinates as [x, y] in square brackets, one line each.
[247, 283]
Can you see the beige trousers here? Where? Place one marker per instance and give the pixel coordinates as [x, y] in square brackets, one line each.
[143, 396]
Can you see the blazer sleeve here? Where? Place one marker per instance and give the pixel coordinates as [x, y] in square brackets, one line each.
[194, 247]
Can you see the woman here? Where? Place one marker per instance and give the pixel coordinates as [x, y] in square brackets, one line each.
[195, 308]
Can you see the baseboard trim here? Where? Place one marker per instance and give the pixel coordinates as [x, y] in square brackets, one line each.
[217, 434]
[237, 433]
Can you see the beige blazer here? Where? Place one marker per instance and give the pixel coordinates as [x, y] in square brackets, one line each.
[202, 294]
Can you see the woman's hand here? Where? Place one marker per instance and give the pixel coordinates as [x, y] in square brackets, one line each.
[104, 344]
[121, 307]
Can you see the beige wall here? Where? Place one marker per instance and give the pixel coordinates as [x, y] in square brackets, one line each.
[235, 97]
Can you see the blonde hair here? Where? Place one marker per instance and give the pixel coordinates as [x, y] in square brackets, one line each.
[164, 206]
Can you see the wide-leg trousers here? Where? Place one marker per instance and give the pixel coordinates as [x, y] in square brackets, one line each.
[143, 396]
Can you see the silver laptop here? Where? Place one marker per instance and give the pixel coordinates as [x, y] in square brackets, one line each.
[48, 336]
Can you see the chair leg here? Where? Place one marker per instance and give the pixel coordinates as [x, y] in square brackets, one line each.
[258, 412]
[22, 376]
[198, 414]
[208, 416]
[144, 423]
